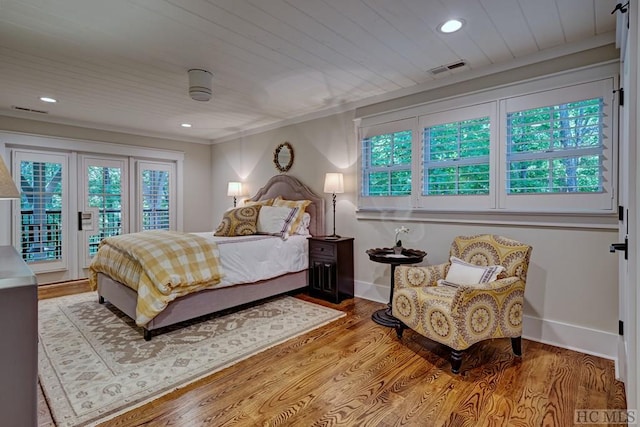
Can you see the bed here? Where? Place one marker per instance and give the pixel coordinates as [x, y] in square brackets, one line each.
[212, 300]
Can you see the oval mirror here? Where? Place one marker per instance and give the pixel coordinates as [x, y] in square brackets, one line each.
[283, 157]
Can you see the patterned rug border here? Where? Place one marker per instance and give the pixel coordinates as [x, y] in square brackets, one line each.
[337, 314]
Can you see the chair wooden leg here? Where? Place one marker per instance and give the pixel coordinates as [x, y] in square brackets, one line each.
[516, 345]
[400, 329]
[456, 361]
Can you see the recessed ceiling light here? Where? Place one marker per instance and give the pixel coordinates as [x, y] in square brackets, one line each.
[451, 26]
[47, 99]
[186, 125]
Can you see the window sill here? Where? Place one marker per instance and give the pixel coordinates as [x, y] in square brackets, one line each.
[584, 220]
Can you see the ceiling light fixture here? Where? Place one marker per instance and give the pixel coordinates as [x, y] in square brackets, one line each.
[186, 125]
[451, 26]
[47, 99]
[200, 84]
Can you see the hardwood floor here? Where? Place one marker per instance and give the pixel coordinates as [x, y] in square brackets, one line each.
[354, 372]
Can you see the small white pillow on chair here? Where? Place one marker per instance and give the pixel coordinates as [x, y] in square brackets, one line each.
[461, 272]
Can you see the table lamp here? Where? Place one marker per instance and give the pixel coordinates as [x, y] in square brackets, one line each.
[234, 189]
[333, 183]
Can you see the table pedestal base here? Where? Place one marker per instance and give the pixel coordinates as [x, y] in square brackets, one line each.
[385, 318]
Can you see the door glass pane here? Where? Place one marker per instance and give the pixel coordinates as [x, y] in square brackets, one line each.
[155, 200]
[105, 194]
[41, 211]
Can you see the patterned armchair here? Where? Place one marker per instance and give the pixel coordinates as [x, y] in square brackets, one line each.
[460, 315]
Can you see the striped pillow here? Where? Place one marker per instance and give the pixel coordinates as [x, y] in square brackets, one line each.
[461, 272]
[276, 220]
[300, 204]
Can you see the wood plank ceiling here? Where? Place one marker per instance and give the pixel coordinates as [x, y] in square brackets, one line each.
[122, 64]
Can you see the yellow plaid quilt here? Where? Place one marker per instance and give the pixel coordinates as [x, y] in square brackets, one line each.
[160, 265]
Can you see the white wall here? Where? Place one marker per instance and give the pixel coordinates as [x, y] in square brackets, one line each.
[197, 165]
[571, 295]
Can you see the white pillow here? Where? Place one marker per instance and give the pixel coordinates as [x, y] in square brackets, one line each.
[303, 228]
[276, 220]
[461, 272]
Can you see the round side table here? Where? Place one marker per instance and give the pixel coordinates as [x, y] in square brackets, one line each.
[387, 256]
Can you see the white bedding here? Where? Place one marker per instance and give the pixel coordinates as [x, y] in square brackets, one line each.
[247, 259]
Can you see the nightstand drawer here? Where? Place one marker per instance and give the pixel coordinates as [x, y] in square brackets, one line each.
[322, 249]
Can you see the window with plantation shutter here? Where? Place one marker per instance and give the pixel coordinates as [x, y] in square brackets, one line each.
[458, 152]
[386, 163]
[556, 149]
[156, 196]
[546, 145]
[559, 149]
[43, 213]
[104, 194]
[456, 157]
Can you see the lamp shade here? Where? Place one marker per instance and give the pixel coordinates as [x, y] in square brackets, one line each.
[333, 183]
[234, 189]
[8, 189]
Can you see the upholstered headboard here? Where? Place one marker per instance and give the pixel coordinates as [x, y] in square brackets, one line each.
[290, 188]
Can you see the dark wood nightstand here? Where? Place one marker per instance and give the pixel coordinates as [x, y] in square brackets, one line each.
[331, 268]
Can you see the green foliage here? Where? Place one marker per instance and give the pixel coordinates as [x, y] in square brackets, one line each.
[388, 164]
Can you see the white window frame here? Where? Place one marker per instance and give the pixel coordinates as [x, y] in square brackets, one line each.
[603, 76]
[558, 202]
[143, 165]
[460, 202]
[386, 202]
[33, 156]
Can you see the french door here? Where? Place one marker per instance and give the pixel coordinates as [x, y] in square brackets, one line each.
[103, 203]
[70, 201]
[43, 217]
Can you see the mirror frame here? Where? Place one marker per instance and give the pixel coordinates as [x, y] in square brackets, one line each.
[276, 160]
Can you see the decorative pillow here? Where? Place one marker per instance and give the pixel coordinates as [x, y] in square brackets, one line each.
[303, 228]
[276, 220]
[239, 222]
[461, 272]
[265, 202]
[300, 204]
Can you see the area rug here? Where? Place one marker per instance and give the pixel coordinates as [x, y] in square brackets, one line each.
[94, 363]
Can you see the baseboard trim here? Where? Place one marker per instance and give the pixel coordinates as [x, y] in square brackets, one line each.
[559, 334]
[572, 337]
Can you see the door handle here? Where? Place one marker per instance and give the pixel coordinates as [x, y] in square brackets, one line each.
[620, 247]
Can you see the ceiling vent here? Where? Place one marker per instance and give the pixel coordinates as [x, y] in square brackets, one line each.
[448, 67]
[28, 110]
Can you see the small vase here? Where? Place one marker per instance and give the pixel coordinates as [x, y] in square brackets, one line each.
[397, 250]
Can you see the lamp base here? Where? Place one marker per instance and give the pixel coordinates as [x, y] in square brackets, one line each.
[332, 237]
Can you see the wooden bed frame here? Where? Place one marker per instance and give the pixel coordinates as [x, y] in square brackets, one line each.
[213, 300]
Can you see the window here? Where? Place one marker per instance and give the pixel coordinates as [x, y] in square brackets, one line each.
[559, 149]
[458, 152]
[155, 202]
[104, 194]
[386, 172]
[544, 150]
[456, 157]
[42, 213]
[556, 149]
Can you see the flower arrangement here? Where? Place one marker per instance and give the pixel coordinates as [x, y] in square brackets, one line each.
[399, 230]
